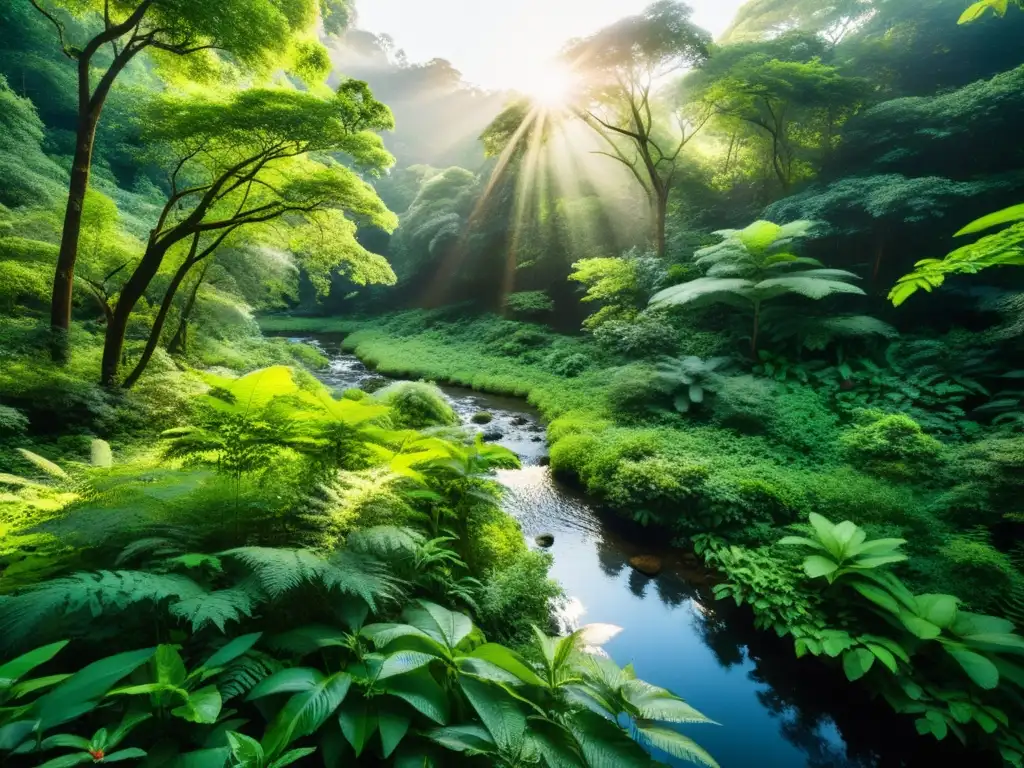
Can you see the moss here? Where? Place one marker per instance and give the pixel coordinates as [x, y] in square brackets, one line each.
[893, 445]
[482, 417]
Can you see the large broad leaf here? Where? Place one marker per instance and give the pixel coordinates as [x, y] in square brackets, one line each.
[1004, 643]
[287, 681]
[17, 668]
[232, 650]
[554, 743]
[653, 703]
[877, 547]
[878, 596]
[305, 712]
[79, 758]
[422, 692]
[809, 285]
[603, 743]
[132, 753]
[919, 627]
[401, 662]
[499, 713]
[203, 706]
[940, 610]
[823, 529]
[169, 666]
[444, 626]
[849, 536]
[292, 756]
[308, 639]
[13, 734]
[702, 288]
[358, 721]
[393, 727]
[982, 671]
[857, 663]
[800, 541]
[472, 739]
[676, 744]
[70, 698]
[383, 635]
[758, 236]
[817, 566]
[1007, 215]
[510, 661]
[968, 624]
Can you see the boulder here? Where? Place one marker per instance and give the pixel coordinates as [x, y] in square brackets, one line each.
[545, 540]
[648, 565]
[520, 421]
[493, 435]
[545, 461]
[482, 417]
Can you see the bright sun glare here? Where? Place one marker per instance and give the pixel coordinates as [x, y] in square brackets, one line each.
[549, 86]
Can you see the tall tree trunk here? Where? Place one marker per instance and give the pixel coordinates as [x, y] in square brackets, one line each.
[131, 292]
[161, 316]
[90, 107]
[660, 222]
[179, 342]
[64, 276]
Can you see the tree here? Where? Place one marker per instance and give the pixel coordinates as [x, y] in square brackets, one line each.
[619, 67]
[831, 19]
[796, 106]
[257, 34]
[754, 265]
[243, 163]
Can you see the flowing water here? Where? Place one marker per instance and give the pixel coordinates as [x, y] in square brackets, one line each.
[774, 711]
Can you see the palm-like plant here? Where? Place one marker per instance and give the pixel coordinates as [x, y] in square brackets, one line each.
[754, 265]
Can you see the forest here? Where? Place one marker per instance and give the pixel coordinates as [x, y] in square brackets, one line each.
[336, 387]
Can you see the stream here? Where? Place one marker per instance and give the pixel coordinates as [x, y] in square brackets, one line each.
[774, 711]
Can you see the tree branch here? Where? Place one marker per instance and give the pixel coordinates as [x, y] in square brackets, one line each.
[60, 28]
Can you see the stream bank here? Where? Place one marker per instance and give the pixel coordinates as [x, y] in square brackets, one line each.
[775, 711]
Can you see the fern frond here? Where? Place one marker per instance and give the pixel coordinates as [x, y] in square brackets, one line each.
[24, 615]
[242, 674]
[216, 608]
[385, 541]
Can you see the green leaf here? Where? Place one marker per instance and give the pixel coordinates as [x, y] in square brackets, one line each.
[982, 671]
[817, 566]
[393, 728]
[510, 661]
[920, 627]
[25, 687]
[676, 744]
[67, 740]
[17, 668]
[170, 668]
[444, 626]
[13, 734]
[473, 739]
[857, 663]
[292, 756]
[401, 662]
[653, 703]
[305, 712]
[800, 541]
[502, 717]
[603, 743]
[232, 650]
[875, 562]
[878, 596]
[203, 706]
[1005, 643]
[358, 723]
[940, 610]
[132, 753]
[71, 698]
[421, 691]
[287, 681]
[823, 529]
[66, 761]
[1005, 216]
[126, 726]
[246, 751]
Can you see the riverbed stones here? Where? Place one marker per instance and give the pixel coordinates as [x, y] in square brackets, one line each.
[545, 540]
[373, 383]
[648, 565]
[493, 435]
[520, 421]
[483, 417]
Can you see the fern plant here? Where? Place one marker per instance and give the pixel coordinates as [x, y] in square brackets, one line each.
[754, 265]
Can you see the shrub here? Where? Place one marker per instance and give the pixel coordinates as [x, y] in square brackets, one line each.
[636, 390]
[651, 489]
[568, 365]
[416, 405]
[12, 422]
[892, 445]
[495, 539]
[516, 597]
[354, 394]
[529, 304]
[646, 336]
